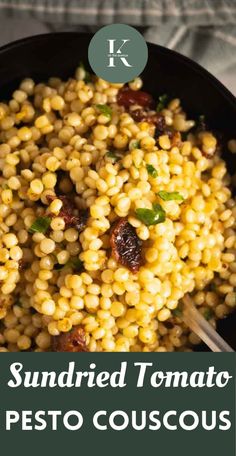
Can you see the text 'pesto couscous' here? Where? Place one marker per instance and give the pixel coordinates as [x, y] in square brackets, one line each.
[112, 207]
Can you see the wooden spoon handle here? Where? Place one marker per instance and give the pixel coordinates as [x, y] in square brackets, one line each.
[197, 323]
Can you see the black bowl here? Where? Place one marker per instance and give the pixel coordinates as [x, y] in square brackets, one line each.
[166, 72]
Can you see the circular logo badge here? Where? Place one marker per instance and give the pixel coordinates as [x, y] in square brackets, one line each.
[117, 53]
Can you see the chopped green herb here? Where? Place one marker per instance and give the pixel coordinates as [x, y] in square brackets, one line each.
[208, 314]
[168, 196]
[151, 170]
[162, 102]
[184, 135]
[151, 216]
[87, 77]
[112, 154]
[213, 286]
[201, 123]
[104, 109]
[40, 225]
[202, 118]
[58, 266]
[177, 312]
[135, 145]
[76, 264]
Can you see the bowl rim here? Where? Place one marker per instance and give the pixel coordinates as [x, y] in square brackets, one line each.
[180, 58]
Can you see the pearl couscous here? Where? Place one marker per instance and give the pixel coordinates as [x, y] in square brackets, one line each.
[75, 160]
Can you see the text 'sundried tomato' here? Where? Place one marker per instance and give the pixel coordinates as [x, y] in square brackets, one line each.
[72, 341]
[67, 212]
[127, 97]
[126, 245]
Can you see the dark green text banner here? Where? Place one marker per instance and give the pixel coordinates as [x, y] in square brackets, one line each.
[124, 404]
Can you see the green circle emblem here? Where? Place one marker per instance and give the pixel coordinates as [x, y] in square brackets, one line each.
[118, 53]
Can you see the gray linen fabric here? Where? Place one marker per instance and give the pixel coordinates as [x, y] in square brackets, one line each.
[205, 30]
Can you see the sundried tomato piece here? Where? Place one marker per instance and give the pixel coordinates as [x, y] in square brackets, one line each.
[161, 128]
[127, 97]
[22, 265]
[81, 221]
[72, 341]
[67, 213]
[126, 245]
[148, 116]
[175, 138]
[155, 118]
[68, 205]
[139, 114]
[207, 154]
